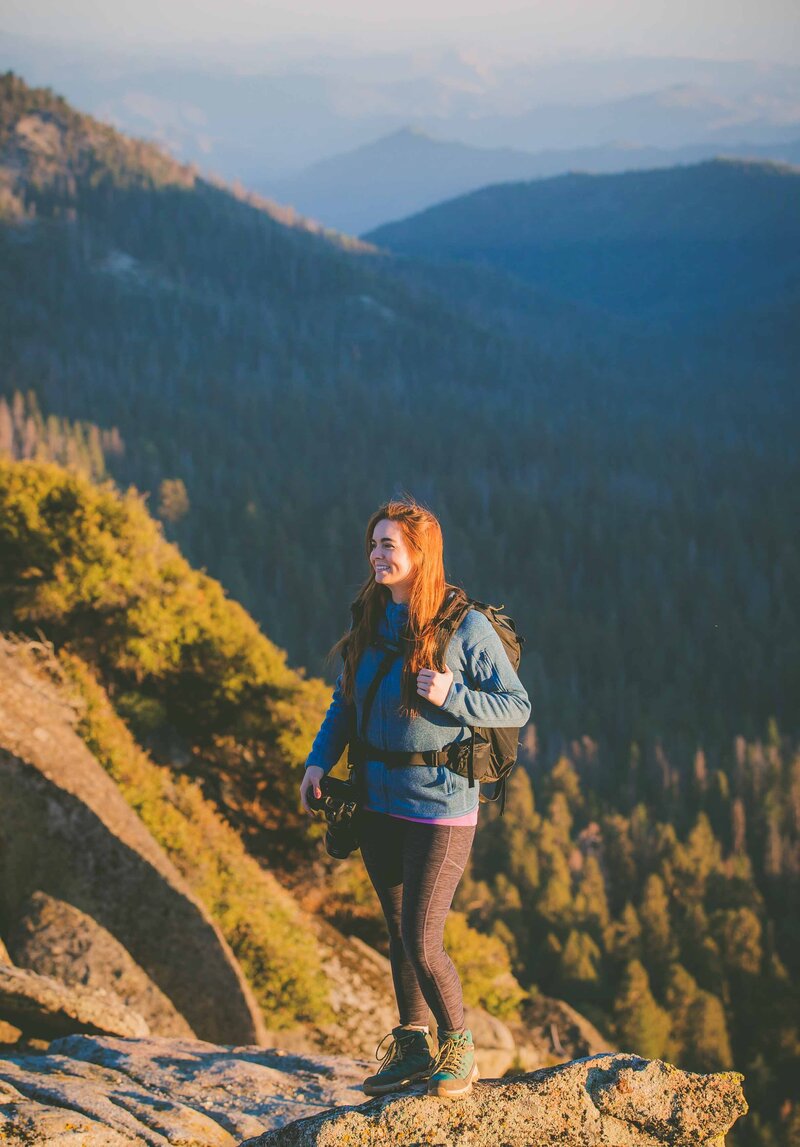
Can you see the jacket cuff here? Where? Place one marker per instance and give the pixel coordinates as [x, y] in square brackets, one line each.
[451, 695]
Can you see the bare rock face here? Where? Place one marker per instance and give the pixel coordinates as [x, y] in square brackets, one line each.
[41, 1006]
[101, 859]
[56, 939]
[104, 1092]
[606, 1100]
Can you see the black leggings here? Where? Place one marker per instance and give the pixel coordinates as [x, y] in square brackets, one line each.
[415, 869]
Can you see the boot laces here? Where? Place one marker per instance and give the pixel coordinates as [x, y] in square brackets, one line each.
[450, 1056]
[396, 1047]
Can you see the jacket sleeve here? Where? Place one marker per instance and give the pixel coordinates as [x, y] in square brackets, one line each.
[334, 732]
[502, 699]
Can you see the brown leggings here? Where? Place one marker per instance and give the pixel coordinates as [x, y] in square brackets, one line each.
[415, 869]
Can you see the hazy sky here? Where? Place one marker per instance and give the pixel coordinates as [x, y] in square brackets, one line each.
[761, 29]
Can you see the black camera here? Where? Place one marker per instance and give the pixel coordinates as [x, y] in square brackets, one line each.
[340, 804]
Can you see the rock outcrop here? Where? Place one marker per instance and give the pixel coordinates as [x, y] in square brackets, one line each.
[102, 1092]
[66, 830]
[56, 939]
[607, 1100]
[105, 1092]
[41, 1006]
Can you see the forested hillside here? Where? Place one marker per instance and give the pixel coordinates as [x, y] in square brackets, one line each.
[706, 238]
[272, 385]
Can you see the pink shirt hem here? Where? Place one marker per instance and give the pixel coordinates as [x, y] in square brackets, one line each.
[466, 818]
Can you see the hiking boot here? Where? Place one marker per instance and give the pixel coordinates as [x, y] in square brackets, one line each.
[454, 1069]
[407, 1060]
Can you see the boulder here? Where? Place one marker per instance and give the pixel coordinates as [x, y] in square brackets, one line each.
[66, 830]
[9, 1034]
[41, 1006]
[56, 939]
[550, 1032]
[606, 1100]
[99, 1091]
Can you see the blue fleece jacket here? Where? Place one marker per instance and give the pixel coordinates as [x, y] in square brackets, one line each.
[476, 655]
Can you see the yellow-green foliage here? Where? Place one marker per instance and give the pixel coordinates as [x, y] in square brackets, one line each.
[483, 967]
[257, 917]
[87, 558]
[93, 569]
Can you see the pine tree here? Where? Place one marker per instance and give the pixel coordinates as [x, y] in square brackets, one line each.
[680, 993]
[554, 903]
[623, 937]
[618, 859]
[708, 1046]
[642, 1026]
[658, 944]
[738, 935]
[580, 960]
[591, 903]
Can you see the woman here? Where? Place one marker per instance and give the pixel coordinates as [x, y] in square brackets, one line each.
[419, 820]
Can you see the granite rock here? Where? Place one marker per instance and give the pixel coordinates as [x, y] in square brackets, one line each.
[101, 859]
[605, 1100]
[97, 1091]
[56, 939]
[41, 1006]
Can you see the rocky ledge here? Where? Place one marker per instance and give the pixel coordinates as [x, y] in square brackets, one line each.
[611, 1100]
[108, 1092]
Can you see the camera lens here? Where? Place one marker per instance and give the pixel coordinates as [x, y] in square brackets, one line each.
[340, 841]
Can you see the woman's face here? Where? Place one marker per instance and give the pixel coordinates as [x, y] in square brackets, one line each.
[391, 559]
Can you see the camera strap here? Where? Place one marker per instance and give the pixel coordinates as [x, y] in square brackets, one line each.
[389, 656]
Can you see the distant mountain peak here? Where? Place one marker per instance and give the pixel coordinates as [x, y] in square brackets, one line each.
[409, 131]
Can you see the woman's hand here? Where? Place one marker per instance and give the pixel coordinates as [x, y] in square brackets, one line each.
[311, 778]
[434, 686]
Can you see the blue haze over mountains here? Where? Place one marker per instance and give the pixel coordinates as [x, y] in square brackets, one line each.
[356, 139]
[407, 171]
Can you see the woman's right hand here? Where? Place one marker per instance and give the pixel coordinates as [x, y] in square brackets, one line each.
[313, 775]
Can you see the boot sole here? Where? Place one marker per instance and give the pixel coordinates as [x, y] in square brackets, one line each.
[473, 1077]
[398, 1085]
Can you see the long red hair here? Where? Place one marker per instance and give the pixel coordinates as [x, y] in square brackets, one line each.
[429, 590]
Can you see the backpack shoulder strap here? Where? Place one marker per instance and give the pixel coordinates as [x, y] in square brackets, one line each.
[455, 608]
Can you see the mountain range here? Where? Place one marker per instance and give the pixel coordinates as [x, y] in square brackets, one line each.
[268, 111]
[409, 170]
